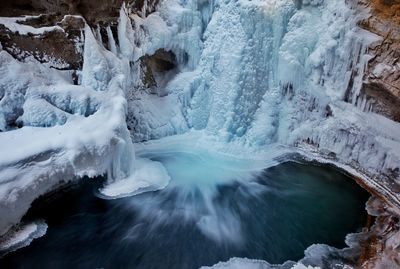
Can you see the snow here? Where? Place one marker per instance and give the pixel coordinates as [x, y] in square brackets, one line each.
[13, 25]
[69, 131]
[380, 68]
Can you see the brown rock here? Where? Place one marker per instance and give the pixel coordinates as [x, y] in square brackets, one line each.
[58, 48]
[383, 71]
[94, 11]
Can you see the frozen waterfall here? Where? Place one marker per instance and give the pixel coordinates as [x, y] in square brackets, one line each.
[255, 79]
[258, 73]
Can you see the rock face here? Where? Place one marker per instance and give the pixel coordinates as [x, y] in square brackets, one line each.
[382, 78]
[381, 241]
[61, 48]
[94, 11]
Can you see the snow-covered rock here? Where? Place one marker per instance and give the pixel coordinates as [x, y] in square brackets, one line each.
[68, 131]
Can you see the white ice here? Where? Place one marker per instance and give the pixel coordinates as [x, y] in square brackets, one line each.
[264, 72]
[69, 131]
[243, 263]
[148, 176]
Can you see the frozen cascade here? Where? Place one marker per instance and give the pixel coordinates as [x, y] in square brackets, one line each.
[102, 70]
[112, 46]
[125, 33]
[264, 72]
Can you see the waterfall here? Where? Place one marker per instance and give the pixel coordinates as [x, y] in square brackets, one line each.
[257, 73]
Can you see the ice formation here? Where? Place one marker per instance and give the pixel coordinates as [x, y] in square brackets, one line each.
[68, 130]
[240, 263]
[249, 75]
[258, 73]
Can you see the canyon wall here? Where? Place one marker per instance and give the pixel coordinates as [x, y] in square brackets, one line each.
[382, 86]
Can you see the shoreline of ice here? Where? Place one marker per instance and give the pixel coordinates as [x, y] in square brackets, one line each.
[22, 236]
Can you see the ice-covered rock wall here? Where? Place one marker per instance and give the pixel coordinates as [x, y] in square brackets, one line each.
[255, 73]
[53, 131]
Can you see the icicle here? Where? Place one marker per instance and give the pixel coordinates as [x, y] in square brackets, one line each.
[144, 9]
[96, 69]
[111, 41]
[125, 33]
[98, 35]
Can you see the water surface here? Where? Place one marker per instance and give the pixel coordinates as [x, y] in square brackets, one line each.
[210, 212]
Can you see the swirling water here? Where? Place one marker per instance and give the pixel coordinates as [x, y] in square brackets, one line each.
[212, 210]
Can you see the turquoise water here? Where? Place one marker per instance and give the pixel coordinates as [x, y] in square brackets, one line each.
[213, 210]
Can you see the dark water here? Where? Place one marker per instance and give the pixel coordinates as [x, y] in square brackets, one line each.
[275, 217]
